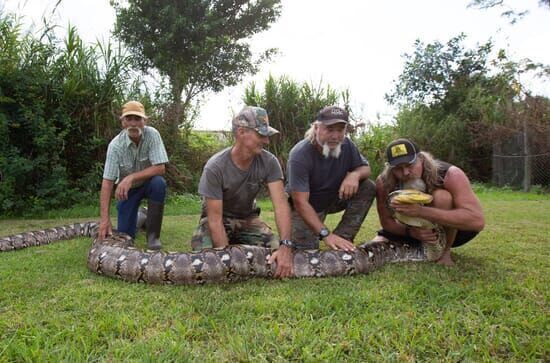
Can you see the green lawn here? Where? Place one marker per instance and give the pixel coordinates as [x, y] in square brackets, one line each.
[494, 306]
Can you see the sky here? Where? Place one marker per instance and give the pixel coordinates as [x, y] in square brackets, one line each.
[347, 44]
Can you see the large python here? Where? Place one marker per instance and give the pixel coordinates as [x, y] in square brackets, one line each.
[117, 257]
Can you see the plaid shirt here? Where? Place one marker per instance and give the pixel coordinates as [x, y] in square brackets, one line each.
[124, 157]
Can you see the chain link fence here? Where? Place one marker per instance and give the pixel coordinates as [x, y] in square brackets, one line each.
[522, 160]
[521, 170]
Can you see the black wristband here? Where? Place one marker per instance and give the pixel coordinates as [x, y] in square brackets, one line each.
[286, 242]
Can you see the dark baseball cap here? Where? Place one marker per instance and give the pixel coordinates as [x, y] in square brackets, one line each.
[331, 115]
[402, 151]
[254, 118]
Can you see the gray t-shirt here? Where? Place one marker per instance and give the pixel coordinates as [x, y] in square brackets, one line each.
[309, 171]
[222, 180]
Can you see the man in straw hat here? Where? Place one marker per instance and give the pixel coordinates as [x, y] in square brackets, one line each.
[135, 162]
[454, 206]
[229, 184]
[327, 174]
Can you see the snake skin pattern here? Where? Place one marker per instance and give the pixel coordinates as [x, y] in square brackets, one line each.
[116, 257]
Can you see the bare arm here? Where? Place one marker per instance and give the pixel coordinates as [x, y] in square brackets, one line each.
[387, 222]
[105, 227]
[125, 184]
[281, 208]
[350, 184]
[283, 256]
[466, 214]
[306, 211]
[214, 213]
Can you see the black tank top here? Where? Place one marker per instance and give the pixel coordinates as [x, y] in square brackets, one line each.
[442, 169]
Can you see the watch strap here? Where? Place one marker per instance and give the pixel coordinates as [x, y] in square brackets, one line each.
[286, 242]
[323, 233]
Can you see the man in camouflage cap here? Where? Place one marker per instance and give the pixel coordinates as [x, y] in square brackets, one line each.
[229, 184]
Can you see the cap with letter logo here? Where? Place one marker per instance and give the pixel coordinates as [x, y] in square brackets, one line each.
[331, 115]
[402, 151]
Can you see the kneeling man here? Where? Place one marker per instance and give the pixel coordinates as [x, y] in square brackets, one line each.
[135, 161]
[229, 184]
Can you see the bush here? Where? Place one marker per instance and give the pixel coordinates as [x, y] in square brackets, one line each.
[291, 107]
[57, 104]
[372, 144]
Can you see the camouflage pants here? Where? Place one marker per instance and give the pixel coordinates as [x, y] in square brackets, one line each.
[249, 231]
[355, 212]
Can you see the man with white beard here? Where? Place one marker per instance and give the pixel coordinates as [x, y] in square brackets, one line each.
[135, 162]
[327, 174]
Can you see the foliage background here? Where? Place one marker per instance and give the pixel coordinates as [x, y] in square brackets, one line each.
[60, 100]
[292, 107]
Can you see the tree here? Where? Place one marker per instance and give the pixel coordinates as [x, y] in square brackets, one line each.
[513, 15]
[450, 98]
[433, 70]
[200, 45]
[485, 4]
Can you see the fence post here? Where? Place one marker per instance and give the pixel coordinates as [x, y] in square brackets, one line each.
[526, 159]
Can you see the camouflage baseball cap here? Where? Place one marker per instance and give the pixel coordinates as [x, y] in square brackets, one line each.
[254, 118]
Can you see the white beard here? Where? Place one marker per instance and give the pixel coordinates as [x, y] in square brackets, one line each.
[335, 153]
[134, 128]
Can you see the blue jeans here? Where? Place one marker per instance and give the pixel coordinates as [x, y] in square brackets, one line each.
[153, 189]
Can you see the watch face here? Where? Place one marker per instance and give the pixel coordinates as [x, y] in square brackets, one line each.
[324, 232]
[287, 243]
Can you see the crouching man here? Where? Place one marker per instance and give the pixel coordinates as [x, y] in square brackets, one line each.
[135, 161]
[327, 174]
[455, 207]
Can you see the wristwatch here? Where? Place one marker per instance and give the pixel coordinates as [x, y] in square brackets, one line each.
[286, 242]
[323, 233]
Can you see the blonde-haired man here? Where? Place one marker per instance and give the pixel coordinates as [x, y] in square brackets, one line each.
[455, 206]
